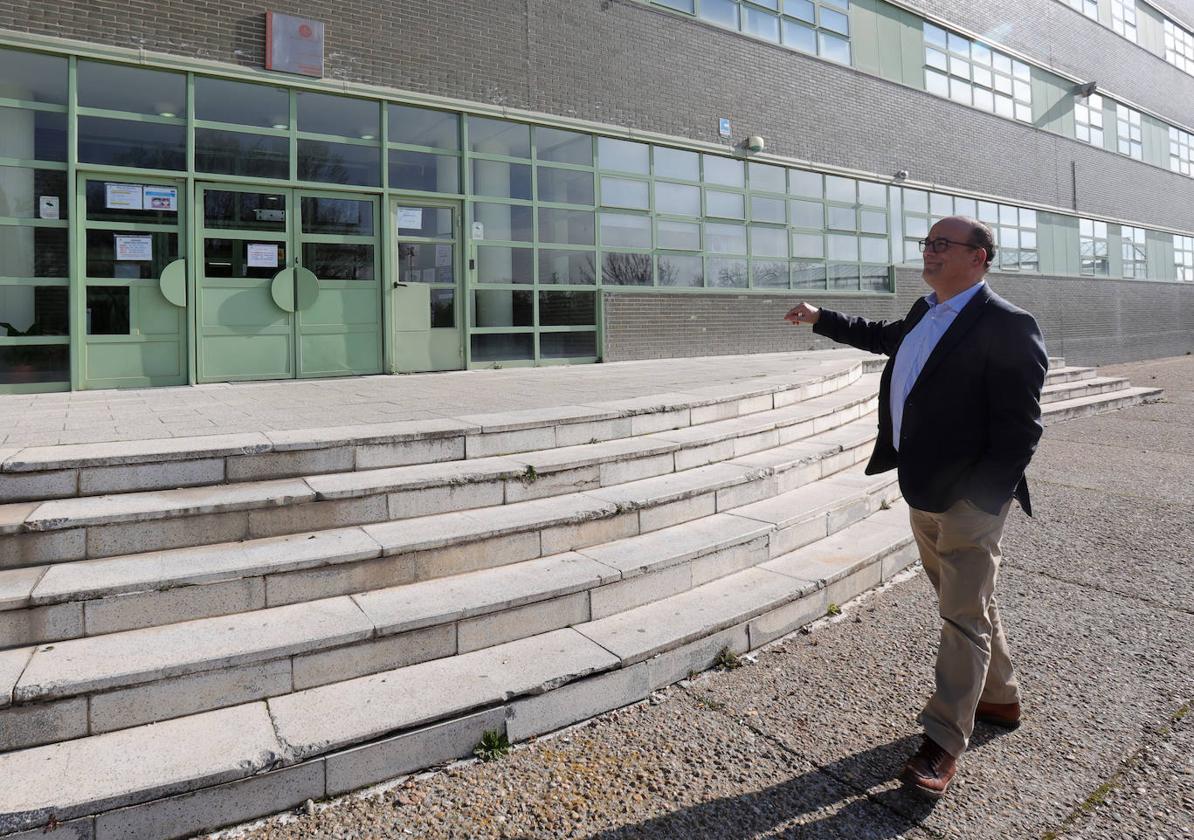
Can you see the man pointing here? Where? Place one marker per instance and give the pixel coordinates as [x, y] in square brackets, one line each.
[959, 417]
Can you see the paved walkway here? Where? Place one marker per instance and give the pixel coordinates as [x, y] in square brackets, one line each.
[96, 416]
[1098, 599]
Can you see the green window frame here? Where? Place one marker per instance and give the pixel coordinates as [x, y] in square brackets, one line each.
[1129, 130]
[1179, 46]
[1181, 151]
[1088, 119]
[1183, 258]
[972, 73]
[1093, 248]
[1123, 18]
[1134, 249]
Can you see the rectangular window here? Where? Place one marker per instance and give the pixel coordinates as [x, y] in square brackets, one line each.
[1130, 131]
[1181, 151]
[974, 74]
[1123, 18]
[1183, 258]
[1088, 119]
[1135, 253]
[820, 27]
[1090, 8]
[1179, 46]
[1092, 248]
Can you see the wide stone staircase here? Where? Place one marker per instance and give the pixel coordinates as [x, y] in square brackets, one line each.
[195, 632]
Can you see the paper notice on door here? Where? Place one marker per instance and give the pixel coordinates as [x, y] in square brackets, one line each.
[160, 198]
[410, 217]
[260, 255]
[47, 207]
[134, 248]
[123, 196]
[443, 255]
[429, 275]
[478, 230]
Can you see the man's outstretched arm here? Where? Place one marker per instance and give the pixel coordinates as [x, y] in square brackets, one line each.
[872, 336]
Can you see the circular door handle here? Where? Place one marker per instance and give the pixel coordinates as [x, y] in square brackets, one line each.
[282, 289]
[306, 287]
[173, 283]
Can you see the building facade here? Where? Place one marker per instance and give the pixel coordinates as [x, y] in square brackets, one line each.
[451, 185]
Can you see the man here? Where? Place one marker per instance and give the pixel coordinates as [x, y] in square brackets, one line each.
[959, 416]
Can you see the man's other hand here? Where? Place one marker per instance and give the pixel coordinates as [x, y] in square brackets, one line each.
[804, 313]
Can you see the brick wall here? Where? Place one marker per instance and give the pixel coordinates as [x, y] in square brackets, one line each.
[1087, 321]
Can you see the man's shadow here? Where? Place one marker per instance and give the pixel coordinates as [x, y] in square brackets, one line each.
[750, 814]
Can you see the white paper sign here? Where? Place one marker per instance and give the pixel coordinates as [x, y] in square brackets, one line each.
[134, 248]
[429, 275]
[47, 207]
[478, 230]
[262, 255]
[410, 217]
[443, 255]
[160, 198]
[123, 196]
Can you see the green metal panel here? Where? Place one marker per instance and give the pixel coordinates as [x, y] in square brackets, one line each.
[1052, 102]
[864, 36]
[888, 41]
[1105, 13]
[1058, 239]
[1150, 29]
[1160, 255]
[1115, 251]
[1110, 126]
[1156, 141]
[282, 289]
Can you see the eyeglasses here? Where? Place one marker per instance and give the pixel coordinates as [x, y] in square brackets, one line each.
[940, 244]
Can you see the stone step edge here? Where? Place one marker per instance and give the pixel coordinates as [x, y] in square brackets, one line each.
[257, 495]
[876, 496]
[127, 453]
[262, 782]
[1108, 401]
[1084, 387]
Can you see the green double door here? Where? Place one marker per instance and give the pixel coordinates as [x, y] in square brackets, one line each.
[289, 284]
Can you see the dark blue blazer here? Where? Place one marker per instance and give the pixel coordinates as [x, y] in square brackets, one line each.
[973, 418]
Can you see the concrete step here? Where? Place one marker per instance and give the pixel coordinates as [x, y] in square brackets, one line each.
[115, 524]
[1085, 406]
[1082, 388]
[124, 679]
[48, 472]
[1056, 376]
[197, 772]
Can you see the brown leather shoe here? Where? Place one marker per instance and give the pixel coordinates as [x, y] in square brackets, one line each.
[1003, 715]
[930, 771]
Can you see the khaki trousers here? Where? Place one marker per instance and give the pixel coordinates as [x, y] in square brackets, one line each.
[960, 552]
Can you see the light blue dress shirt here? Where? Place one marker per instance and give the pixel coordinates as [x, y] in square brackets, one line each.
[916, 348]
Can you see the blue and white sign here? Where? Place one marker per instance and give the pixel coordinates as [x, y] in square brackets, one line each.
[723, 127]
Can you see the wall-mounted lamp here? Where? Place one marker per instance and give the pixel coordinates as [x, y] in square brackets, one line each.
[755, 144]
[902, 175]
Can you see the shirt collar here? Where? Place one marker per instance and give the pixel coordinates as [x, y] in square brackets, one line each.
[958, 302]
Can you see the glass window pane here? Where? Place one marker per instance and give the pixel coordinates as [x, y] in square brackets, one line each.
[769, 274]
[768, 242]
[809, 245]
[724, 204]
[559, 146]
[576, 268]
[238, 153]
[567, 309]
[682, 271]
[503, 348]
[681, 236]
[808, 214]
[988, 211]
[420, 263]
[808, 274]
[334, 261]
[225, 208]
[33, 310]
[834, 48]
[873, 221]
[721, 12]
[940, 204]
[937, 59]
[873, 250]
[424, 171]
[504, 222]
[33, 252]
[124, 143]
[917, 226]
[767, 209]
[725, 239]
[118, 87]
[104, 260]
[223, 100]
[624, 192]
[872, 194]
[842, 218]
[965, 207]
[875, 279]
[499, 179]
[339, 163]
[674, 163]
[503, 308]
[325, 113]
[32, 135]
[803, 9]
[443, 308]
[726, 274]
[346, 216]
[424, 127]
[496, 264]
[835, 21]
[725, 171]
[565, 186]
[767, 178]
[33, 77]
[229, 258]
[840, 189]
[680, 199]
[843, 276]
[566, 227]
[30, 193]
[799, 36]
[1027, 217]
[843, 247]
[936, 83]
[37, 363]
[807, 184]
[575, 345]
[935, 35]
[623, 155]
[499, 137]
[626, 269]
[759, 23]
[620, 230]
[678, 5]
[107, 310]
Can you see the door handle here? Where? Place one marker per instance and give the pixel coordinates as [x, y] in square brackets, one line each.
[398, 285]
